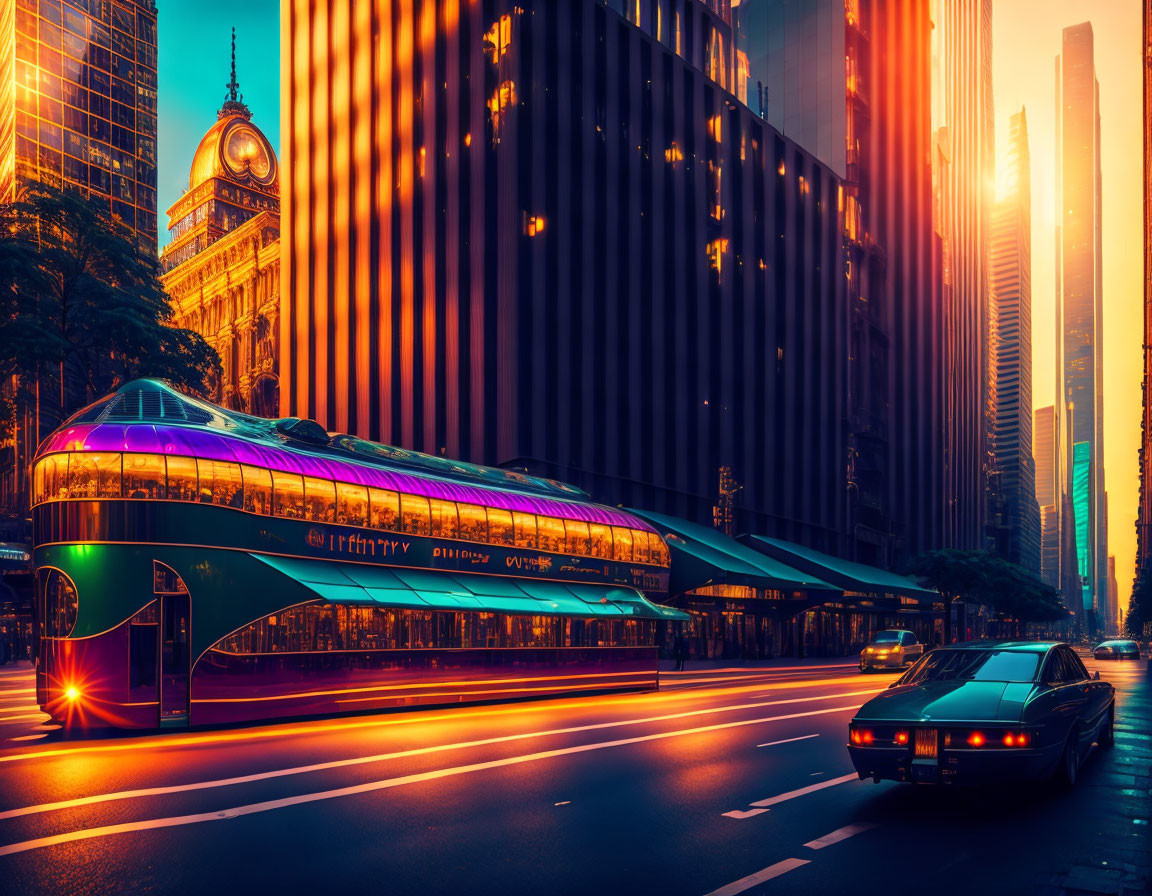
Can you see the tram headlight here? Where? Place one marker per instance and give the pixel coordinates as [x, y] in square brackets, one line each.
[72, 693]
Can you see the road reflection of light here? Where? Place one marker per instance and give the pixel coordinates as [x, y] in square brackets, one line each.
[536, 711]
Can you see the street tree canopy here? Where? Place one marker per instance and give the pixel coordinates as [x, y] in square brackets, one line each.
[82, 310]
[979, 577]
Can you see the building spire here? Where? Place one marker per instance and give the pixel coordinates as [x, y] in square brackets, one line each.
[234, 99]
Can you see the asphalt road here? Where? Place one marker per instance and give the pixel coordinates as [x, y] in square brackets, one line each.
[726, 781]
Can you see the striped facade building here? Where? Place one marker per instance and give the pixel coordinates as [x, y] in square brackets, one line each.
[552, 237]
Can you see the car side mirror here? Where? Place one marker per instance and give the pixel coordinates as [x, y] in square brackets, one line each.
[1096, 675]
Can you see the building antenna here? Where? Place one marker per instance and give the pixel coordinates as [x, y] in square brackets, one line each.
[234, 99]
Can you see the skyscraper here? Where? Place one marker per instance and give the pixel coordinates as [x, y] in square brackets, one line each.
[858, 97]
[1049, 491]
[549, 236]
[78, 103]
[1011, 284]
[963, 161]
[1144, 512]
[1080, 298]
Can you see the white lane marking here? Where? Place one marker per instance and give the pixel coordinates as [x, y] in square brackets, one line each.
[743, 813]
[151, 744]
[804, 791]
[786, 740]
[371, 786]
[839, 834]
[814, 774]
[31, 715]
[563, 803]
[765, 874]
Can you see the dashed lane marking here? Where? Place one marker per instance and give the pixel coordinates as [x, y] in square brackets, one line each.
[850, 830]
[804, 791]
[786, 740]
[765, 874]
[743, 813]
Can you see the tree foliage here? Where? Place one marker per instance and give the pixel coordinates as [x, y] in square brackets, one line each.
[81, 310]
[981, 578]
[1139, 618]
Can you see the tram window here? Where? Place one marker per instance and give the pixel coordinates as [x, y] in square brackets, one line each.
[182, 479]
[287, 495]
[38, 490]
[319, 500]
[640, 550]
[257, 489]
[351, 504]
[384, 509]
[524, 525]
[220, 483]
[142, 634]
[414, 514]
[551, 534]
[601, 537]
[500, 526]
[108, 475]
[51, 478]
[91, 475]
[444, 520]
[577, 536]
[622, 543]
[473, 522]
[144, 476]
[60, 604]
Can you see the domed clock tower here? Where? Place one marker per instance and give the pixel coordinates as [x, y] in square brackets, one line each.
[222, 266]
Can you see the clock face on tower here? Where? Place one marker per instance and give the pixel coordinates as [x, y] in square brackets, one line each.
[246, 154]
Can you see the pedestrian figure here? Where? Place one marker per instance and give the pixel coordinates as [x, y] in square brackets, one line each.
[680, 652]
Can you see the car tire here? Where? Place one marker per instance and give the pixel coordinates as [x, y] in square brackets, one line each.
[1069, 766]
[1108, 732]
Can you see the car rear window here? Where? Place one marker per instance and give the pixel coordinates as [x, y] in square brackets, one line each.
[973, 665]
[885, 638]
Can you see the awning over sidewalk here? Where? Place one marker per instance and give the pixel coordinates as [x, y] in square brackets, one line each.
[851, 577]
[703, 556]
[424, 589]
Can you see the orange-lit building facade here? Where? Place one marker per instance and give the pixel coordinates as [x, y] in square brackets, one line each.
[78, 103]
[222, 267]
[1144, 514]
[551, 237]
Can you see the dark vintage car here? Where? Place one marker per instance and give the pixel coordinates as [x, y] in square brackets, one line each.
[891, 649]
[1117, 650]
[979, 712]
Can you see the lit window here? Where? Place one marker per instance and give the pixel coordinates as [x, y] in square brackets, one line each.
[287, 495]
[533, 224]
[500, 526]
[577, 537]
[384, 510]
[622, 543]
[144, 476]
[552, 536]
[414, 514]
[525, 528]
[257, 489]
[351, 504]
[473, 522]
[444, 521]
[182, 479]
[601, 537]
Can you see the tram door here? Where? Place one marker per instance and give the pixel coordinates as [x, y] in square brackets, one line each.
[174, 659]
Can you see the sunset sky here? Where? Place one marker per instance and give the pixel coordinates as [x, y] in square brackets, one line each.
[1026, 39]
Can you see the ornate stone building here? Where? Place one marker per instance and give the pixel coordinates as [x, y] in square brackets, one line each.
[222, 267]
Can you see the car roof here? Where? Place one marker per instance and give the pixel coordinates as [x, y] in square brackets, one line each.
[1116, 641]
[1015, 646]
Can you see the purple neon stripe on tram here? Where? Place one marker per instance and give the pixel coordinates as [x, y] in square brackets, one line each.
[152, 439]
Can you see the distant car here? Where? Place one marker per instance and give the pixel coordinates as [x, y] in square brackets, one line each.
[891, 649]
[1117, 650]
[979, 712]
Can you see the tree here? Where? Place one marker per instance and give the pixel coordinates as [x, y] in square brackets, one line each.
[82, 312]
[1139, 616]
[979, 577]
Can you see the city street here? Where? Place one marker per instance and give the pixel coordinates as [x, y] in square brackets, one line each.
[728, 780]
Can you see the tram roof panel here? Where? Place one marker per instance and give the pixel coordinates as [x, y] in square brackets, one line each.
[366, 585]
[148, 416]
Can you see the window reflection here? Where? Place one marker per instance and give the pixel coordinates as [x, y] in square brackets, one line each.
[288, 495]
[258, 490]
[144, 476]
[321, 627]
[414, 514]
[384, 509]
[351, 504]
[60, 603]
[319, 500]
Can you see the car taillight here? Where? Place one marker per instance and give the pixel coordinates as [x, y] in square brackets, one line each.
[861, 736]
[901, 737]
[1019, 739]
[975, 739]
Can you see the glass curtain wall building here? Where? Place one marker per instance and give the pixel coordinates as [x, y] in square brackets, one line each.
[78, 103]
